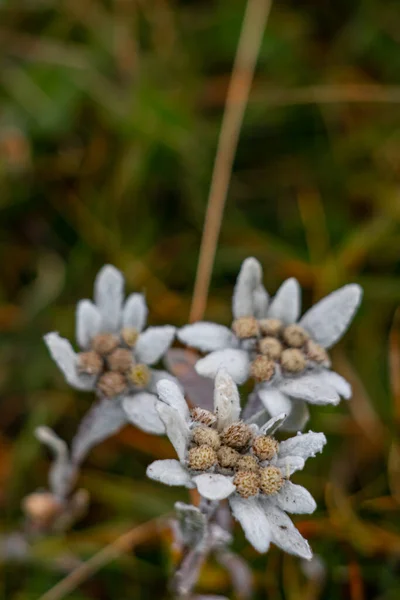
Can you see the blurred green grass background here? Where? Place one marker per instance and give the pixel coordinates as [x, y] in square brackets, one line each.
[109, 116]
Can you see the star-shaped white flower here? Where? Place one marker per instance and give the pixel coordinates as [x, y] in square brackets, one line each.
[285, 354]
[226, 458]
[116, 350]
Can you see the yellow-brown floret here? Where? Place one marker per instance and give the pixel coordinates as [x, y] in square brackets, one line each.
[270, 347]
[271, 480]
[246, 327]
[140, 375]
[201, 415]
[206, 436]
[120, 360]
[104, 343]
[293, 360]
[129, 336]
[265, 447]
[228, 457]
[316, 353]
[247, 483]
[111, 384]
[247, 463]
[262, 368]
[90, 363]
[295, 336]
[237, 435]
[202, 458]
[42, 507]
[271, 327]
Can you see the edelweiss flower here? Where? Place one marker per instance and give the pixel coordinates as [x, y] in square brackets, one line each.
[286, 358]
[225, 457]
[116, 352]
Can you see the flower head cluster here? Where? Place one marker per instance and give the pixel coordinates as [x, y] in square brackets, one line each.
[225, 457]
[286, 357]
[116, 352]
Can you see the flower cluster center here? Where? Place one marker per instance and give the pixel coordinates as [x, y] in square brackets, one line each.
[234, 451]
[111, 360]
[274, 344]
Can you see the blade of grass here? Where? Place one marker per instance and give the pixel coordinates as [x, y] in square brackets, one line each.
[254, 22]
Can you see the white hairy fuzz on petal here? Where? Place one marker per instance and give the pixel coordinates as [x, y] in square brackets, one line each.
[226, 400]
[109, 295]
[214, 487]
[141, 411]
[327, 320]
[286, 304]
[235, 362]
[207, 337]
[88, 323]
[253, 520]
[153, 343]
[170, 472]
[134, 313]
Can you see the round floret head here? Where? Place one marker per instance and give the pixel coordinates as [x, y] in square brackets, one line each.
[202, 458]
[201, 415]
[295, 336]
[316, 353]
[112, 384]
[120, 360]
[247, 483]
[205, 436]
[228, 457]
[237, 435]
[140, 375]
[293, 361]
[271, 327]
[104, 343]
[265, 447]
[262, 368]
[270, 347]
[248, 463]
[271, 480]
[90, 363]
[245, 327]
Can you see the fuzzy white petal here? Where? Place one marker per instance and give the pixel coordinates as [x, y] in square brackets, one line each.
[253, 520]
[67, 360]
[236, 363]
[298, 417]
[153, 343]
[134, 313]
[141, 411]
[214, 487]
[88, 322]
[103, 419]
[176, 427]
[294, 499]
[342, 386]
[273, 424]
[156, 376]
[305, 445]
[274, 401]
[109, 295]
[226, 400]
[327, 320]
[313, 388]
[284, 533]
[289, 464]
[170, 472]
[260, 302]
[286, 304]
[207, 337]
[170, 393]
[247, 282]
